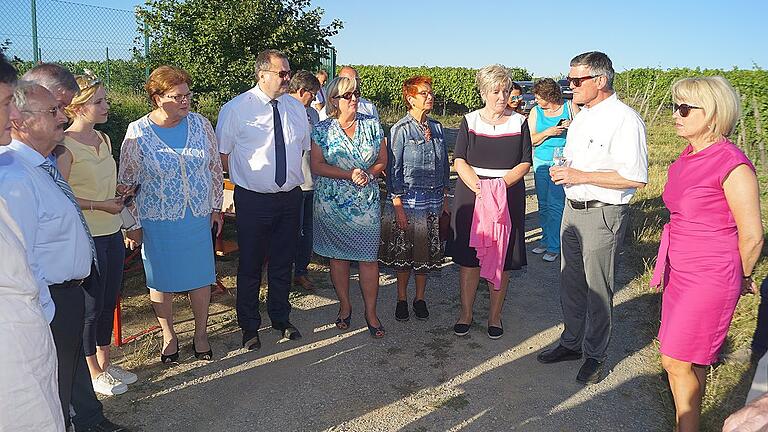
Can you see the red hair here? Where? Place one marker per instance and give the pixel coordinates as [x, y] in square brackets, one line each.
[411, 87]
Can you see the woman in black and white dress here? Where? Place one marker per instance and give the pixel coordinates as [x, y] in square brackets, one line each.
[493, 142]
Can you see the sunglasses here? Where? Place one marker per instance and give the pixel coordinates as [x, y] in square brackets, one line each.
[348, 95]
[282, 74]
[515, 98]
[684, 109]
[576, 81]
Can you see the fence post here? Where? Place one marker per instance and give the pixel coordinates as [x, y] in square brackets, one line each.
[107, 80]
[759, 130]
[146, 50]
[35, 50]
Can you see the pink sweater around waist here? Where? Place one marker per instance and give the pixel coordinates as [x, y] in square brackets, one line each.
[490, 230]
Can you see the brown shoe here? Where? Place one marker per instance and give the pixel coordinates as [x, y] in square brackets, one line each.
[304, 282]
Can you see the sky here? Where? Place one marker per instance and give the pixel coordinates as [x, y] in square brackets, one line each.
[542, 37]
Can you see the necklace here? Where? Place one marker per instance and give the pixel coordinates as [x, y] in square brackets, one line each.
[348, 126]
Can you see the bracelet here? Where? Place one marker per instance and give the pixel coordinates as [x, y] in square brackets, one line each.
[91, 205]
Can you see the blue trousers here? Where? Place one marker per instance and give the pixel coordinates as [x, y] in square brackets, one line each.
[760, 339]
[551, 203]
[304, 247]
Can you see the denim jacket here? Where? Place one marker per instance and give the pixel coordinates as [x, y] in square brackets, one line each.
[414, 163]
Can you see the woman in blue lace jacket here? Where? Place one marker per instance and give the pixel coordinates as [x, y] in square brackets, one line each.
[172, 154]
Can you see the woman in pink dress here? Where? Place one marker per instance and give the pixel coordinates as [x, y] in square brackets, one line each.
[711, 244]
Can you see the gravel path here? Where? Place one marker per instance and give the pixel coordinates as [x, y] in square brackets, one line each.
[420, 377]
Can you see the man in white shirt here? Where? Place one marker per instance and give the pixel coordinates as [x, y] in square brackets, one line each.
[303, 87]
[59, 246]
[364, 106]
[607, 162]
[262, 135]
[318, 103]
[29, 399]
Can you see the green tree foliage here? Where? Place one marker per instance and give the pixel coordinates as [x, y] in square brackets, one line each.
[217, 41]
[454, 85]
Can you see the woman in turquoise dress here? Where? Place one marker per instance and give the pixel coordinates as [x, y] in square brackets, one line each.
[172, 154]
[348, 154]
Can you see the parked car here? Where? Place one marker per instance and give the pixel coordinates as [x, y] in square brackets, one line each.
[528, 100]
[565, 88]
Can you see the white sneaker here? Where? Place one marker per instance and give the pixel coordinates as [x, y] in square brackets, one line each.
[107, 385]
[121, 374]
[550, 257]
[539, 250]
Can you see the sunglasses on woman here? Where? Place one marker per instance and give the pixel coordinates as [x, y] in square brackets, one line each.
[684, 109]
[348, 95]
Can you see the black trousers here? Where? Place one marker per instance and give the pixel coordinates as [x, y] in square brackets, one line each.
[101, 289]
[267, 232]
[67, 330]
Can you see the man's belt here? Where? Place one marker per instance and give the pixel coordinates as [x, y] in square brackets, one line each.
[67, 284]
[584, 205]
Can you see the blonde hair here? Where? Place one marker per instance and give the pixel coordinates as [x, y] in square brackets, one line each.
[718, 98]
[338, 86]
[88, 85]
[492, 77]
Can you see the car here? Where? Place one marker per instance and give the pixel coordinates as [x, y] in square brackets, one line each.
[565, 88]
[529, 101]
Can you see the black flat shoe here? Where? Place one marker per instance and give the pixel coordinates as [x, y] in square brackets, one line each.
[251, 340]
[495, 332]
[401, 310]
[288, 330]
[591, 372]
[558, 354]
[420, 310]
[460, 329]
[170, 358]
[205, 355]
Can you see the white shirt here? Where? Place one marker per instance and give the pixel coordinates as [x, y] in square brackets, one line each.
[309, 180]
[29, 399]
[364, 106]
[246, 132]
[610, 136]
[58, 248]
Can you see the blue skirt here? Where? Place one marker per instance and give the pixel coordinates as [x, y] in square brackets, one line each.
[178, 254]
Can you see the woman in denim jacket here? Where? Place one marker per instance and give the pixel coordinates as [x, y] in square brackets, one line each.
[417, 179]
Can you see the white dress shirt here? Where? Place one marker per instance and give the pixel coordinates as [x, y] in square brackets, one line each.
[309, 179]
[246, 132]
[29, 398]
[364, 106]
[610, 136]
[58, 248]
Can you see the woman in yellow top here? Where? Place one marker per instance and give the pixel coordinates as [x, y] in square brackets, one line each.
[87, 164]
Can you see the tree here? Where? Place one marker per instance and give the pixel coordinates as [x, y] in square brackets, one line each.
[217, 41]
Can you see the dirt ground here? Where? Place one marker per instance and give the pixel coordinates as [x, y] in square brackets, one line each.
[420, 377]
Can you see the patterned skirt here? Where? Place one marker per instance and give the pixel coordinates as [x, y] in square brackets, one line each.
[418, 247]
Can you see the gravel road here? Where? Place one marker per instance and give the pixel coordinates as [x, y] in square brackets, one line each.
[420, 377]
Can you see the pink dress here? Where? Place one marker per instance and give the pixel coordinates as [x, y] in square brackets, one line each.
[699, 257]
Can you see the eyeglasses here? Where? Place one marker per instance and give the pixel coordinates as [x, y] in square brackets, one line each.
[313, 93]
[576, 81]
[426, 94]
[348, 95]
[684, 109]
[282, 74]
[51, 111]
[182, 97]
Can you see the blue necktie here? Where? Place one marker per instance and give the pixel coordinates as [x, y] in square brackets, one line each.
[280, 169]
[64, 186]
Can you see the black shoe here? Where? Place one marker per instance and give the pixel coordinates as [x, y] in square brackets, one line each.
[205, 355]
[591, 372]
[420, 310]
[495, 332]
[401, 310]
[105, 426]
[170, 358]
[287, 329]
[460, 329]
[251, 340]
[558, 354]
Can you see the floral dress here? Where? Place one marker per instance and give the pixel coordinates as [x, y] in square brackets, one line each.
[347, 217]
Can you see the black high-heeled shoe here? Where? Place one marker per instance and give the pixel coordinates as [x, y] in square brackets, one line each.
[206, 355]
[170, 358]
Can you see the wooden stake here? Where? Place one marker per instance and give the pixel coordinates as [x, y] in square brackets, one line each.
[759, 130]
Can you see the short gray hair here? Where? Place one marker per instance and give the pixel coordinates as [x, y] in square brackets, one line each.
[53, 77]
[303, 80]
[492, 77]
[264, 59]
[598, 64]
[24, 92]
